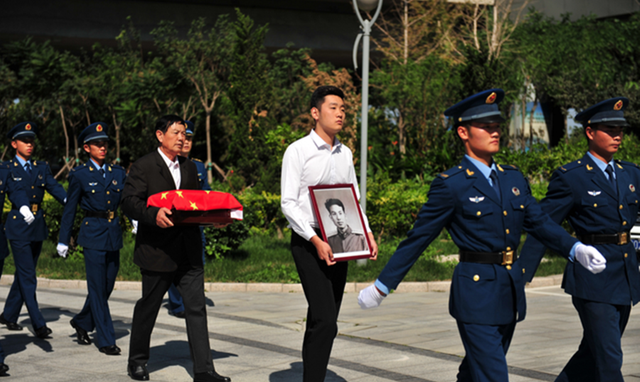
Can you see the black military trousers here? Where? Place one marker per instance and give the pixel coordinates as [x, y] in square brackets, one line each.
[323, 287]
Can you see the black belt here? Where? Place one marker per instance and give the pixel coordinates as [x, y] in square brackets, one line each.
[621, 238]
[100, 214]
[34, 207]
[502, 258]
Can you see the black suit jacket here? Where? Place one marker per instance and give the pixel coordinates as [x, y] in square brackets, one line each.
[160, 249]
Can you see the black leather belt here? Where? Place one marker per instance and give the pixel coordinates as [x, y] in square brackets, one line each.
[621, 238]
[100, 214]
[502, 258]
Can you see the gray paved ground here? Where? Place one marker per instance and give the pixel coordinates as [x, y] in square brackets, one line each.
[257, 337]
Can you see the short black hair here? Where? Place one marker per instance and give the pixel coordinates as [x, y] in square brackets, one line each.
[317, 98]
[333, 202]
[165, 121]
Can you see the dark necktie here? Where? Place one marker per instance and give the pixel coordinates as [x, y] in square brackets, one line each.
[102, 172]
[27, 168]
[612, 180]
[495, 185]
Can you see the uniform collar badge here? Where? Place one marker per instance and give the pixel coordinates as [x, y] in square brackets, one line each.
[476, 199]
[470, 173]
[515, 191]
[93, 184]
[632, 188]
[594, 193]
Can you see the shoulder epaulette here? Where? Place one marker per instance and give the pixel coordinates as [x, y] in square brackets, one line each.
[450, 172]
[196, 159]
[571, 166]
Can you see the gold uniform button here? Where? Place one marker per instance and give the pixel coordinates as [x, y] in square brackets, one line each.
[107, 192]
[595, 204]
[521, 206]
[626, 255]
[476, 278]
[505, 212]
[86, 223]
[507, 231]
[508, 248]
[32, 187]
[14, 216]
[624, 223]
[93, 191]
[108, 201]
[522, 270]
[479, 213]
[508, 267]
[621, 206]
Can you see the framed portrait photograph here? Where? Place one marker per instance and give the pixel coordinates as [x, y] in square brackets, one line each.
[341, 221]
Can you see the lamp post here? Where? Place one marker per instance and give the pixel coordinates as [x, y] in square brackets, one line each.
[365, 25]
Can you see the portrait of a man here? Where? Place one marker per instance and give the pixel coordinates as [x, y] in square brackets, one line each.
[345, 240]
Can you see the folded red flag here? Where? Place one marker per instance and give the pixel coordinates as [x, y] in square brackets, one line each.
[197, 207]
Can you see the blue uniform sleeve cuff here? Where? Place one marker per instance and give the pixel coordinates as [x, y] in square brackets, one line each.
[572, 253]
[381, 287]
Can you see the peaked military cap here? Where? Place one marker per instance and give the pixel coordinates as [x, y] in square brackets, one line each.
[23, 130]
[94, 132]
[190, 128]
[480, 107]
[609, 112]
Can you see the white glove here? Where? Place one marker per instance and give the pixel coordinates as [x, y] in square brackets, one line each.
[369, 297]
[62, 249]
[590, 258]
[134, 224]
[27, 214]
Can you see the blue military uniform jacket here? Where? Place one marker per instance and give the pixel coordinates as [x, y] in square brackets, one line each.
[462, 200]
[580, 193]
[17, 196]
[92, 192]
[202, 174]
[35, 185]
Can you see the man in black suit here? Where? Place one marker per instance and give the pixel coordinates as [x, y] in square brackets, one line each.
[166, 254]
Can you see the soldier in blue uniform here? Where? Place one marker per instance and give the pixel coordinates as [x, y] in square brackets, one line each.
[34, 177]
[96, 187]
[484, 206]
[19, 198]
[176, 306]
[597, 195]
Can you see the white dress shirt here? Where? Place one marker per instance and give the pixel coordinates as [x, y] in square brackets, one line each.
[174, 167]
[311, 161]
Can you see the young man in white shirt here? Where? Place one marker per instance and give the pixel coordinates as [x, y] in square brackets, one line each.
[318, 158]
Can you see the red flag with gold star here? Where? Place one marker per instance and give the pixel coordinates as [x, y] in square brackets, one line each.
[198, 207]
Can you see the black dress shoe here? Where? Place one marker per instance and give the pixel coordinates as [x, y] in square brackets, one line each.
[110, 350]
[83, 337]
[10, 325]
[3, 370]
[43, 332]
[210, 376]
[139, 373]
[180, 314]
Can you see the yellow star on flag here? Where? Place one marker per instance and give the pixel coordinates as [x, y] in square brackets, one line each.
[207, 191]
[179, 193]
[164, 195]
[193, 205]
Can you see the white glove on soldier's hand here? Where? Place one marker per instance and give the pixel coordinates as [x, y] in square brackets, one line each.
[134, 224]
[590, 258]
[369, 297]
[62, 249]
[27, 214]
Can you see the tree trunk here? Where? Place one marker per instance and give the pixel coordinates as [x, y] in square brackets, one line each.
[66, 135]
[117, 127]
[208, 128]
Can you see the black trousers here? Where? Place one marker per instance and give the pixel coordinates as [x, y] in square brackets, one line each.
[323, 287]
[190, 283]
